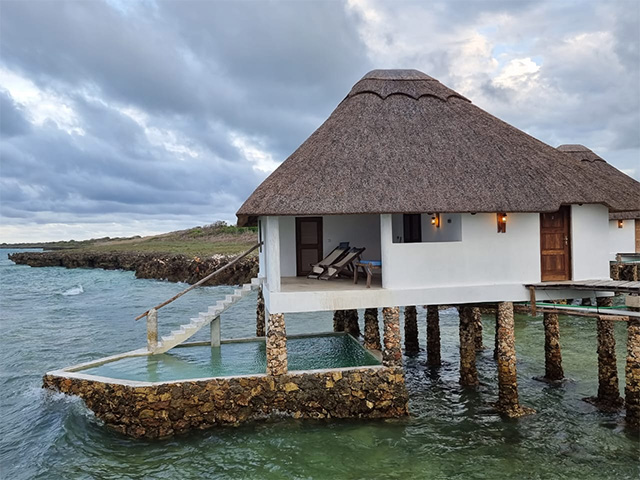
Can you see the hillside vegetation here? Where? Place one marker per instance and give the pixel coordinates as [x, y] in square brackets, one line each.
[204, 240]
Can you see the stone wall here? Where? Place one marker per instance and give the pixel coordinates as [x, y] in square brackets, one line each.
[163, 410]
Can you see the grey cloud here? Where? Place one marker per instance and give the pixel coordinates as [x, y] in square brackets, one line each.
[12, 121]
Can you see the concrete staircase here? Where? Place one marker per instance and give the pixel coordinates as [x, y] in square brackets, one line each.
[185, 332]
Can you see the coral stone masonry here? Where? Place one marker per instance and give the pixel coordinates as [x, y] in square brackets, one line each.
[162, 410]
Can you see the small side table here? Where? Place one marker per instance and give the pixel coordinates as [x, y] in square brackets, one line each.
[367, 267]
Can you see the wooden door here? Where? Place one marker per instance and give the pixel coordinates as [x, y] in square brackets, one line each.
[412, 228]
[308, 243]
[555, 245]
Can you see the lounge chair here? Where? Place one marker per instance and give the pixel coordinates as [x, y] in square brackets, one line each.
[335, 255]
[336, 268]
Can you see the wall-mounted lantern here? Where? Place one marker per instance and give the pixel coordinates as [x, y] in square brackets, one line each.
[435, 220]
[620, 223]
[502, 222]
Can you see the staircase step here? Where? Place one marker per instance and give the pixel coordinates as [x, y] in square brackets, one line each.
[195, 324]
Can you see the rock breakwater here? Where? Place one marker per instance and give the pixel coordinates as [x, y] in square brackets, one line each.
[171, 267]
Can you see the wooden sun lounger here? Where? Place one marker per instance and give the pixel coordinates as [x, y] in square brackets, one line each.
[335, 255]
[336, 268]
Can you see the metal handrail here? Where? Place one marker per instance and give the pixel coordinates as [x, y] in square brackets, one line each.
[175, 297]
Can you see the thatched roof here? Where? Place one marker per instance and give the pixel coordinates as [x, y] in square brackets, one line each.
[623, 191]
[401, 142]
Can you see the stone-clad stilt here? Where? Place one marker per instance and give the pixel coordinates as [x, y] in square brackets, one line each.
[338, 320]
[468, 371]
[632, 373]
[495, 338]
[391, 355]
[553, 371]
[371, 329]
[433, 336]
[608, 398]
[477, 328]
[508, 402]
[351, 325]
[411, 344]
[276, 345]
[260, 314]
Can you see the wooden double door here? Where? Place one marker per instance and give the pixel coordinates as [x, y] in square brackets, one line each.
[308, 243]
[555, 245]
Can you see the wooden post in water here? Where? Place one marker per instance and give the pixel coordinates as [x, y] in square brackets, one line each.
[276, 345]
[411, 345]
[371, 330]
[392, 354]
[468, 371]
[215, 332]
[260, 314]
[632, 374]
[152, 330]
[433, 336]
[508, 402]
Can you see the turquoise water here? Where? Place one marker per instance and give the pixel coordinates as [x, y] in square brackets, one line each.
[49, 322]
[242, 358]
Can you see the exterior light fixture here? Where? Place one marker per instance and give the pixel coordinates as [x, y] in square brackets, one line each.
[502, 222]
[620, 223]
[435, 220]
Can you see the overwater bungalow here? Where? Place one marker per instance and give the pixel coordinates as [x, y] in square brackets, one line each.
[407, 195]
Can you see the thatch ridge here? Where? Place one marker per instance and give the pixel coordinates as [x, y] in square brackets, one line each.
[622, 190]
[401, 142]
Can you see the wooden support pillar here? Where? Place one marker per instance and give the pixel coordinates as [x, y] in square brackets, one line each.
[411, 345]
[553, 371]
[477, 328]
[433, 336]
[351, 325]
[392, 354]
[152, 330]
[632, 373]
[215, 332]
[371, 329]
[468, 371]
[338, 320]
[276, 345]
[508, 402]
[260, 314]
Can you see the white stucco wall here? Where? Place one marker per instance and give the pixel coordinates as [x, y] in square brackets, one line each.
[358, 230]
[590, 242]
[287, 246]
[448, 231]
[621, 240]
[484, 256]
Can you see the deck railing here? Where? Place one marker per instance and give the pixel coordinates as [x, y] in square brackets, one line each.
[152, 313]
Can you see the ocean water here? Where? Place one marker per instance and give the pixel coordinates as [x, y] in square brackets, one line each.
[54, 317]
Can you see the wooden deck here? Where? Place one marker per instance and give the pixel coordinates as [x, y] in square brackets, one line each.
[615, 286]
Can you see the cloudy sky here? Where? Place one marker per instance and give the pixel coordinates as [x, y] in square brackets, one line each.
[122, 117]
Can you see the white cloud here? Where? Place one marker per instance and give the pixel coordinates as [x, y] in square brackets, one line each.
[253, 150]
[40, 105]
